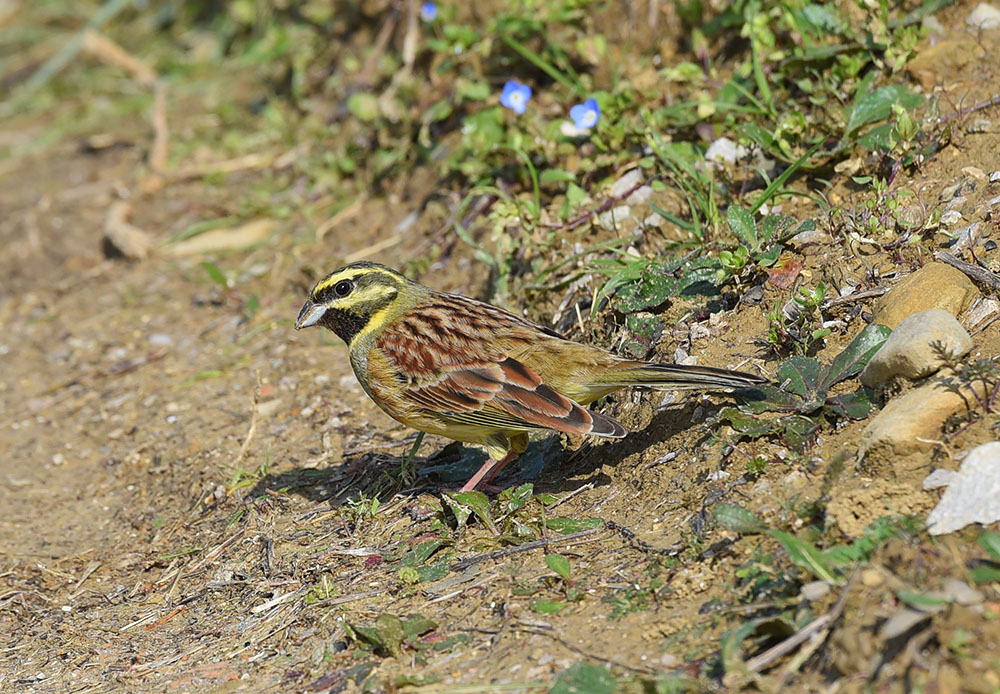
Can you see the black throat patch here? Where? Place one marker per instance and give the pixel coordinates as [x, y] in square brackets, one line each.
[345, 323]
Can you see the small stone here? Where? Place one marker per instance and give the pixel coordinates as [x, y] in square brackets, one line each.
[961, 592]
[814, 590]
[160, 340]
[908, 350]
[653, 221]
[808, 238]
[722, 150]
[611, 219]
[626, 183]
[935, 285]
[872, 578]
[951, 217]
[910, 217]
[939, 478]
[901, 622]
[754, 295]
[641, 195]
[955, 189]
[985, 17]
[990, 245]
[912, 422]
[974, 495]
[975, 172]
[965, 237]
[994, 176]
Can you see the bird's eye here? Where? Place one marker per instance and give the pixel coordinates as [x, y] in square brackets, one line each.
[343, 288]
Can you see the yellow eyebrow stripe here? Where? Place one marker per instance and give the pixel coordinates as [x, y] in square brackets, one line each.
[350, 275]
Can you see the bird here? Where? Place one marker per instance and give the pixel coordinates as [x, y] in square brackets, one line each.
[461, 368]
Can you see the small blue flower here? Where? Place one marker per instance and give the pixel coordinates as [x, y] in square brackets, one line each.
[585, 115]
[428, 12]
[515, 96]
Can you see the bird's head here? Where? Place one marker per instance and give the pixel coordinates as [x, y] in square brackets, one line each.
[358, 298]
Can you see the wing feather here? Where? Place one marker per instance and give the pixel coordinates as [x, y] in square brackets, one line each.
[451, 379]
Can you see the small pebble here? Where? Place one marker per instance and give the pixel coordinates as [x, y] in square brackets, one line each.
[626, 183]
[961, 592]
[951, 217]
[939, 478]
[814, 590]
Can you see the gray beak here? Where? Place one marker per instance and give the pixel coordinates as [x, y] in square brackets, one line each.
[310, 314]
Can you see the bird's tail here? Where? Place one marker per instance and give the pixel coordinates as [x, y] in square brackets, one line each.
[680, 376]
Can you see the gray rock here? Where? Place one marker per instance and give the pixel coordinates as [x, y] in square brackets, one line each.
[908, 350]
[974, 495]
[961, 592]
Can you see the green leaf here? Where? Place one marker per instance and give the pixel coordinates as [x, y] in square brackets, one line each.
[921, 601]
[773, 227]
[478, 503]
[745, 423]
[742, 225]
[878, 138]
[856, 405]
[556, 176]
[216, 274]
[514, 498]
[390, 634]
[770, 399]
[769, 257]
[804, 555]
[737, 519]
[422, 552]
[473, 91]
[546, 606]
[797, 431]
[876, 533]
[877, 105]
[460, 512]
[984, 574]
[856, 355]
[559, 564]
[990, 541]
[434, 572]
[363, 105]
[651, 290]
[801, 376]
[565, 526]
[584, 678]
[731, 646]
[418, 625]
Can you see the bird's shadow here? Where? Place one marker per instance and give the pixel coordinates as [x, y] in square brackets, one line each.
[545, 463]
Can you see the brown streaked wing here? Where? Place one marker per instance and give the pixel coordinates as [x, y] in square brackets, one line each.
[456, 372]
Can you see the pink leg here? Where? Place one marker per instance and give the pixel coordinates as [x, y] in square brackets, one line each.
[487, 472]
